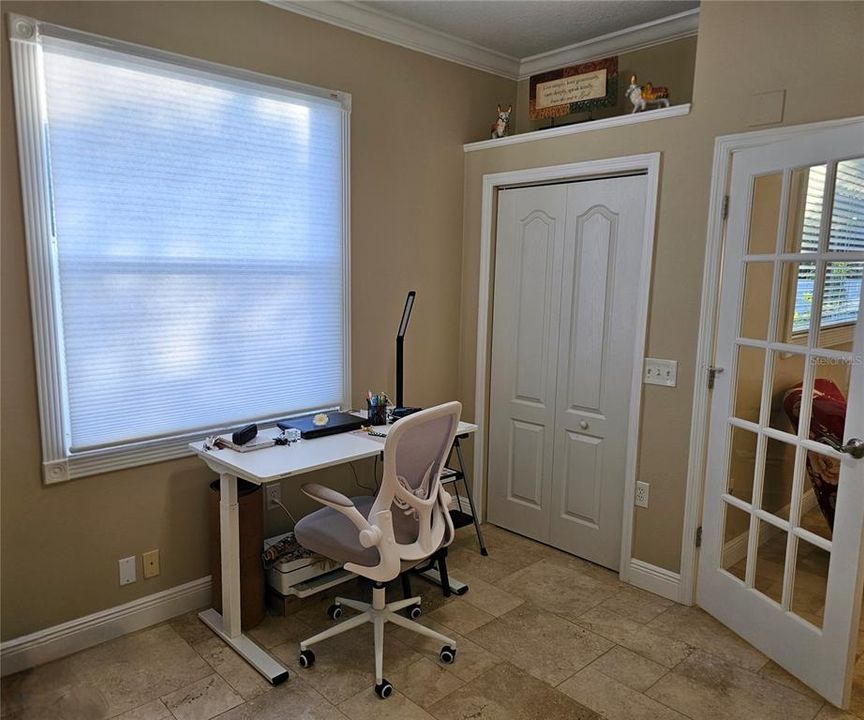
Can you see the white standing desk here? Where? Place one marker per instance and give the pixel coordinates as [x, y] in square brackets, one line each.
[261, 467]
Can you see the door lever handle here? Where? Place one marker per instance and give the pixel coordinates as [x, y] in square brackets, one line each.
[855, 446]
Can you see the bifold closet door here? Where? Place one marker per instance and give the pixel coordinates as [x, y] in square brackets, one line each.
[568, 263]
[602, 258]
[528, 255]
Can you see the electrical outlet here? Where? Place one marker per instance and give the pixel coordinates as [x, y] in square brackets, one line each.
[128, 570]
[274, 496]
[642, 489]
[661, 372]
[150, 560]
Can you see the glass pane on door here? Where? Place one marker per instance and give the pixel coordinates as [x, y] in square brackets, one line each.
[847, 215]
[810, 585]
[807, 189]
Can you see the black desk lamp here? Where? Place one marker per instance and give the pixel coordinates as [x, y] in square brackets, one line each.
[400, 410]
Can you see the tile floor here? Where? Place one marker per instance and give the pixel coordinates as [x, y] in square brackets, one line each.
[542, 636]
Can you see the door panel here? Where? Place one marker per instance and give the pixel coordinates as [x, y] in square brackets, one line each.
[525, 470]
[601, 265]
[524, 357]
[583, 459]
[782, 551]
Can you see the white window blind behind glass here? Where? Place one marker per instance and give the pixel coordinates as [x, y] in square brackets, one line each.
[199, 246]
[843, 279]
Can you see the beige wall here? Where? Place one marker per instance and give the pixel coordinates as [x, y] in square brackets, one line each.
[411, 115]
[670, 64]
[809, 49]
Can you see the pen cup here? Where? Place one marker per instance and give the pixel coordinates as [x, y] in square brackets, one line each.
[376, 413]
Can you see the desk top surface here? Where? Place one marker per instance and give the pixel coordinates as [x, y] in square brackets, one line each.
[280, 461]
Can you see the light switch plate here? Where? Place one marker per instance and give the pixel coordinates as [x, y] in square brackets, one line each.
[660, 372]
[127, 570]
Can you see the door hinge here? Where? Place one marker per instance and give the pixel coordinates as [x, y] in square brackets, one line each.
[713, 372]
[699, 536]
[725, 211]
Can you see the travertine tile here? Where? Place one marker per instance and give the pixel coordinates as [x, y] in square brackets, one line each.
[634, 671]
[705, 687]
[636, 604]
[829, 712]
[487, 597]
[191, 628]
[558, 587]
[345, 664]
[239, 674]
[697, 628]
[543, 644]
[366, 705]
[425, 682]
[51, 689]
[155, 710]
[772, 671]
[508, 693]
[490, 568]
[292, 700]
[471, 659]
[634, 636]
[460, 616]
[202, 700]
[135, 669]
[614, 700]
[275, 630]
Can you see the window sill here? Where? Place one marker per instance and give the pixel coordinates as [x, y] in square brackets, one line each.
[617, 121]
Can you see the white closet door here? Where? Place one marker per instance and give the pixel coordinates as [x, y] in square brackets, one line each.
[603, 244]
[527, 295]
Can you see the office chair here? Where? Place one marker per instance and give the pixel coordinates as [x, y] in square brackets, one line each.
[381, 537]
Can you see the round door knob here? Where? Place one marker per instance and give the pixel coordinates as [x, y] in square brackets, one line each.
[583, 424]
[855, 447]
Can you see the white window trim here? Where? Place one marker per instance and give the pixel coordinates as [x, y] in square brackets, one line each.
[58, 463]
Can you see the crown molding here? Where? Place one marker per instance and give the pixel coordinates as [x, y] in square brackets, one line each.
[674, 27]
[381, 25]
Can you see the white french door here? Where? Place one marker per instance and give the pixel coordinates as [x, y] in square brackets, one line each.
[567, 272]
[781, 561]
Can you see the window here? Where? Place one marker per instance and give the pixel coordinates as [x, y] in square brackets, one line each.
[842, 201]
[187, 233]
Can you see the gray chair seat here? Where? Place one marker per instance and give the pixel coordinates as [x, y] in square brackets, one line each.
[329, 533]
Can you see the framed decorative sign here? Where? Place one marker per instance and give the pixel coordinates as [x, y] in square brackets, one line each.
[574, 89]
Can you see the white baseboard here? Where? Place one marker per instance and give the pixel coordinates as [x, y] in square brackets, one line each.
[652, 578]
[69, 637]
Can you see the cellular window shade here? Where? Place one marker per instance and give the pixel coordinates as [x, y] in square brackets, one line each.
[199, 246]
[842, 288]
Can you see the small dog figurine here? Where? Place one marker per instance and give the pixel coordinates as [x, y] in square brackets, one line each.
[644, 95]
[502, 124]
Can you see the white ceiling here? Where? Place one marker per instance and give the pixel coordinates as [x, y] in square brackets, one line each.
[520, 28]
[511, 38]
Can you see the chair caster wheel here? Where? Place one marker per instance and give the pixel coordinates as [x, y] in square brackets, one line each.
[414, 612]
[447, 655]
[334, 612]
[383, 689]
[307, 658]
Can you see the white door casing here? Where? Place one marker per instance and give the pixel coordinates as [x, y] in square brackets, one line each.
[568, 262]
[769, 616]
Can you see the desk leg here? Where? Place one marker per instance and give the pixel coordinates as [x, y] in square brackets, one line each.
[227, 625]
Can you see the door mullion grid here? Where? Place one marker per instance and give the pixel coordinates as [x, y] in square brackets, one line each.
[794, 521]
[753, 539]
